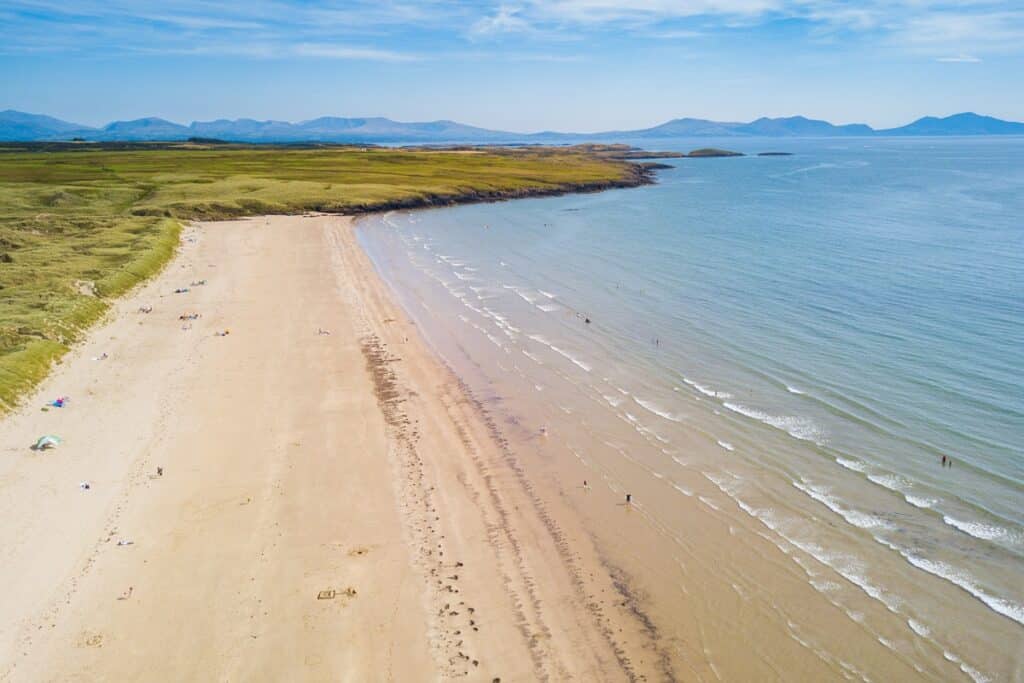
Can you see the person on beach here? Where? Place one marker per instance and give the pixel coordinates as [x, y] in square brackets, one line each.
[629, 498]
[943, 461]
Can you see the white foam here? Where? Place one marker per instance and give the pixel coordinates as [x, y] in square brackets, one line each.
[823, 586]
[495, 340]
[858, 519]
[548, 308]
[919, 628]
[987, 532]
[890, 481]
[707, 391]
[708, 502]
[532, 357]
[725, 444]
[613, 401]
[964, 580]
[794, 390]
[653, 407]
[539, 339]
[797, 427]
[855, 465]
[494, 315]
[858, 579]
[919, 502]
[571, 357]
[976, 676]
[547, 294]
[685, 492]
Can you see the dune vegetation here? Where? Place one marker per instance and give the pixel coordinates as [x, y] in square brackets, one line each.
[81, 224]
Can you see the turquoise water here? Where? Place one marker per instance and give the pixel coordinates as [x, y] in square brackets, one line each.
[830, 323]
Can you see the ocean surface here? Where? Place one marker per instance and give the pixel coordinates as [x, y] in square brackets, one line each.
[808, 334]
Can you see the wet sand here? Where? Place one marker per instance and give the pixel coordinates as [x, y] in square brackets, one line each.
[332, 506]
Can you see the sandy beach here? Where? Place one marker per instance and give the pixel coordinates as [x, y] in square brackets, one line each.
[332, 505]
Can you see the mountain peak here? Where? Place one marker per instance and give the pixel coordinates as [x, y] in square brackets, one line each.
[20, 126]
[964, 123]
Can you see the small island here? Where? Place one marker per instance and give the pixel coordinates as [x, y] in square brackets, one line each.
[708, 152]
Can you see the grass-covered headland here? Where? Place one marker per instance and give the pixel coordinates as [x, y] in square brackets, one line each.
[81, 224]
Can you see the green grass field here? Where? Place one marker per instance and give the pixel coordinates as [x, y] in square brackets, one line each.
[80, 225]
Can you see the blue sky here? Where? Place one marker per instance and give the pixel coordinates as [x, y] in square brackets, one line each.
[531, 65]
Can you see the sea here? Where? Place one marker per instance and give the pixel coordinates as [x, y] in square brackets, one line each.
[791, 343]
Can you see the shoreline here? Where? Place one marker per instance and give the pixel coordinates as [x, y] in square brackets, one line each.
[706, 563]
[354, 464]
[639, 174]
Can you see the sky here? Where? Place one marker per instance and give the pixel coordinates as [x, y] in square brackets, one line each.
[530, 65]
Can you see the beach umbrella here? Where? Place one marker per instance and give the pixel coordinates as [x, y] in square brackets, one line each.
[45, 442]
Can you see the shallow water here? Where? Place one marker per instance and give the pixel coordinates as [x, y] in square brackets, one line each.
[805, 335]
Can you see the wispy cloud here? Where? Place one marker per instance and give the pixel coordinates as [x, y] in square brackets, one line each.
[330, 51]
[676, 34]
[647, 11]
[988, 29]
[960, 59]
[403, 30]
[504, 20]
[928, 28]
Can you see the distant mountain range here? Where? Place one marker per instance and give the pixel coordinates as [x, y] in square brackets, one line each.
[22, 127]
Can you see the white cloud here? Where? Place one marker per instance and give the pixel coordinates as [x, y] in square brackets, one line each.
[505, 20]
[356, 53]
[963, 59]
[676, 34]
[600, 11]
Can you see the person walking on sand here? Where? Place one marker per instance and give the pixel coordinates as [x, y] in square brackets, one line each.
[943, 461]
[629, 498]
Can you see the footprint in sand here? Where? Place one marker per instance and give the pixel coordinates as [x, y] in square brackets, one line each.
[91, 640]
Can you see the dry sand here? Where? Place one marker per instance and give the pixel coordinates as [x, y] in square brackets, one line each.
[332, 507]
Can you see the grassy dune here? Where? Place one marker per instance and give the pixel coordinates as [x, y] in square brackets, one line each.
[80, 225]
